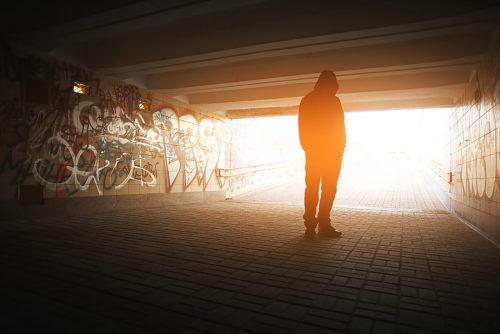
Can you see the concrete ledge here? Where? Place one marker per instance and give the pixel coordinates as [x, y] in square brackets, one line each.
[485, 224]
[78, 206]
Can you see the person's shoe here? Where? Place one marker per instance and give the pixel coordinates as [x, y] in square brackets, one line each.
[310, 233]
[310, 223]
[327, 231]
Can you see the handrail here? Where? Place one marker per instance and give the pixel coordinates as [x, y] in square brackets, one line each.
[230, 172]
[449, 174]
[437, 165]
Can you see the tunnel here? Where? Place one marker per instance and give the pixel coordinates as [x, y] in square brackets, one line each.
[153, 174]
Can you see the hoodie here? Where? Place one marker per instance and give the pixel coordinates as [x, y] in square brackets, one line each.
[321, 117]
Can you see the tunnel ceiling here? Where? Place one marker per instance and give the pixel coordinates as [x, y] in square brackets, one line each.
[250, 58]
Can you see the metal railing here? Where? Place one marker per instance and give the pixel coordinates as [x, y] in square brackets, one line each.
[230, 172]
[245, 179]
[443, 174]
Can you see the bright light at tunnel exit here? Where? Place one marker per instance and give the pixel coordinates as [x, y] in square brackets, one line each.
[412, 134]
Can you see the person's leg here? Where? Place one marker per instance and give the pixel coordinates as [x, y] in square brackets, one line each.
[329, 178]
[311, 195]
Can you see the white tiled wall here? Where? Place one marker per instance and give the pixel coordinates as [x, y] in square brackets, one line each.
[475, 149]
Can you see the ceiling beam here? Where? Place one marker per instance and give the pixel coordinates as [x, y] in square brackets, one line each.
[262, 112]
[314, 44]
[441, 95]
[434, 102]
[433, 49]
[385, 81]
[456, 64]
[125, 20]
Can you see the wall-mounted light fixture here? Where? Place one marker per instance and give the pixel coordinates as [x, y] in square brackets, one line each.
[81, 88]
[144, 105]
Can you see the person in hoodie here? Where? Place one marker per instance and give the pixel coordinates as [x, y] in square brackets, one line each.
[322, 137]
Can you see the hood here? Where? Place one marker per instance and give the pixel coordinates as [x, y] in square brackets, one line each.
[327, 81]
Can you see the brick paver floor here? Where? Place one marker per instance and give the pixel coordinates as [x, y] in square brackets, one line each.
[238, 266]
[379, 184]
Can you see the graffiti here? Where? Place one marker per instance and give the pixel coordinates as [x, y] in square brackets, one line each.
[103, 143]
[68, 166]
[478, 144]
[122, 147]
[81, 170]
[190, 146]
[166, 119]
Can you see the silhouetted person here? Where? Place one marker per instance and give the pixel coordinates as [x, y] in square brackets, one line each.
[322, 137]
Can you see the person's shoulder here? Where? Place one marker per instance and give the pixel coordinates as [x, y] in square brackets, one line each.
[306, 98]
[336, 99]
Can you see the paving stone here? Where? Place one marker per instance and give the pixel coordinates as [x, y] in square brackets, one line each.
[327, 323]
[360, 325]
[383, 327]
[306, 329]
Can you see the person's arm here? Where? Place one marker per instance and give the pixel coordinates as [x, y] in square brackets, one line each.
[301, 124]
[343, 121]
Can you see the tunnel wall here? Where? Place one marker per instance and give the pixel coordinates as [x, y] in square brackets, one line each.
[99, 151]
[475, 149]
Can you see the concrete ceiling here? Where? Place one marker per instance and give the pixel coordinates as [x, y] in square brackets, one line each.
[254, 57]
